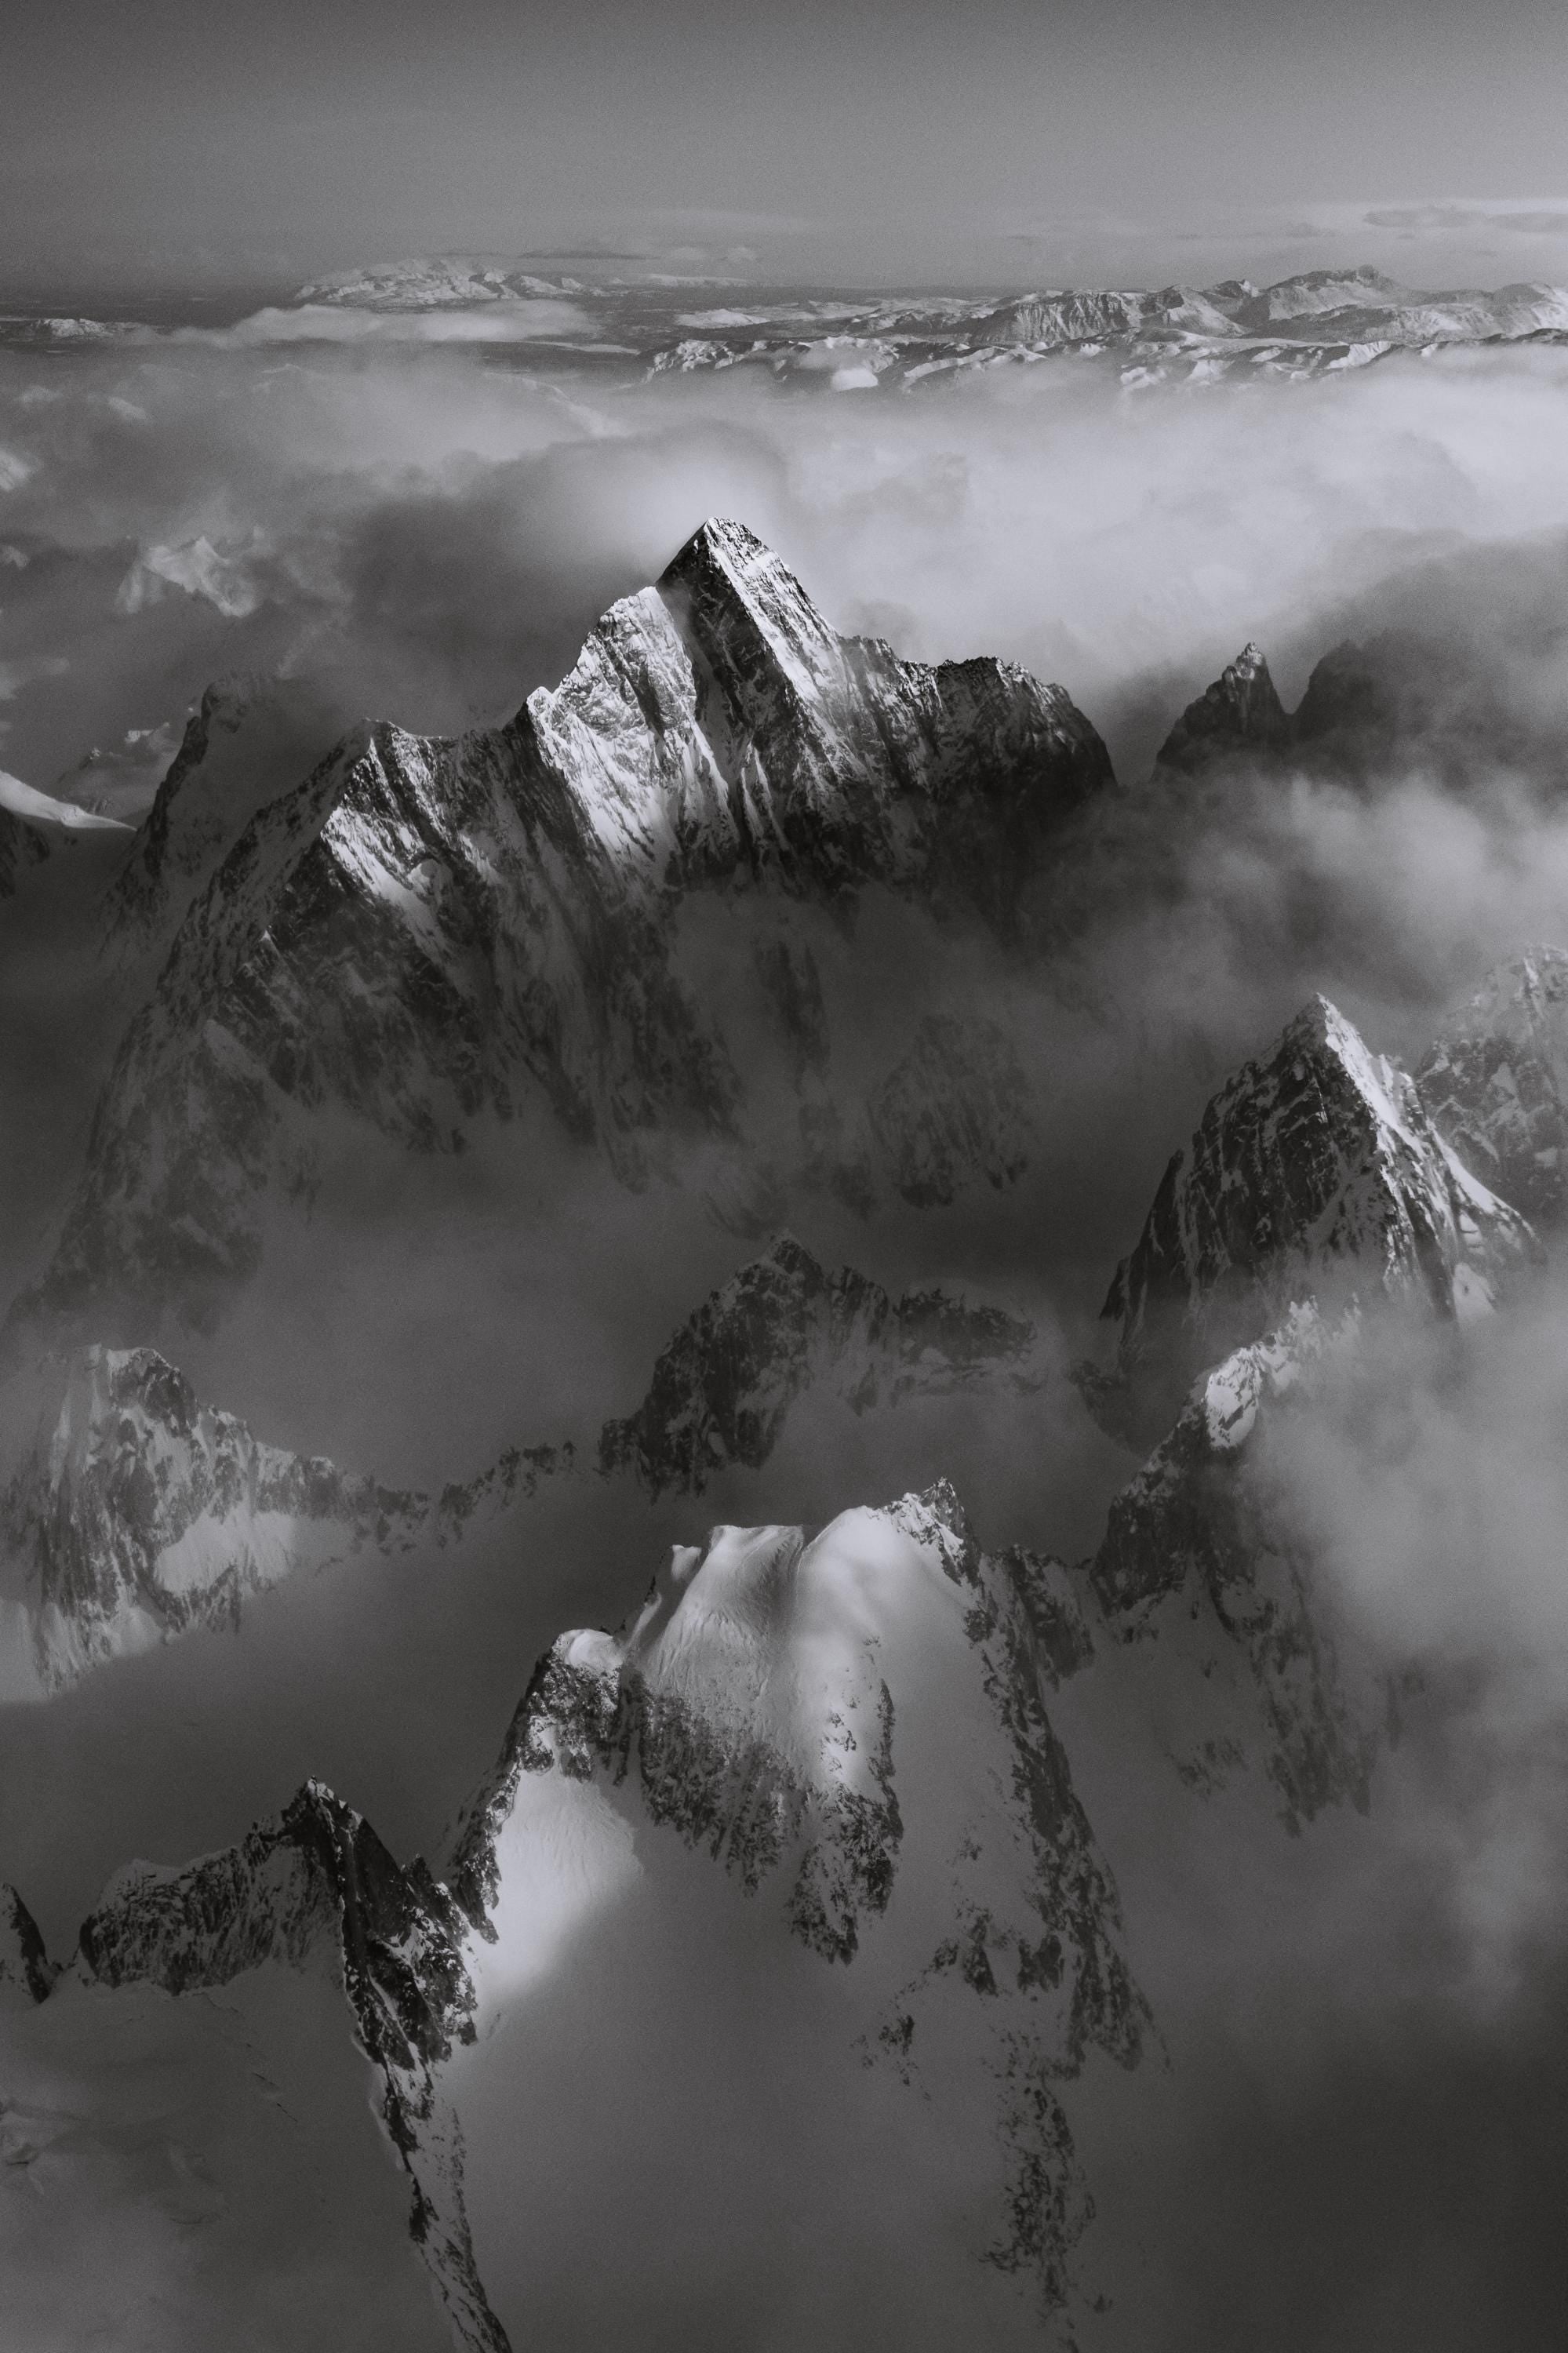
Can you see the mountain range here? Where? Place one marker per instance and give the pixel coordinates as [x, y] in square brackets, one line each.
[1318, 321]
[810, 1906]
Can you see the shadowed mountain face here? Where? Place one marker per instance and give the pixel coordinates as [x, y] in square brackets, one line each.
[722, 1389]
[1240, 713]
[1372, 709]
[1495, 1082]
[430, 935]
[21, 845]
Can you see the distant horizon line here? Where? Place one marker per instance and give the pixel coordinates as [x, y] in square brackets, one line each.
[40, 296]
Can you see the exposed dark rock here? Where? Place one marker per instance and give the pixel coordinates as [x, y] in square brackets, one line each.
[23, 1963]
[318, 1885]
[1240, 716]
[723, 1390]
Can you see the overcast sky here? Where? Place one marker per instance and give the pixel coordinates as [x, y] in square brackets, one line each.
[1019, 141]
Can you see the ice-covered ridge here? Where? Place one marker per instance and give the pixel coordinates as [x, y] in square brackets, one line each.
[41, 808]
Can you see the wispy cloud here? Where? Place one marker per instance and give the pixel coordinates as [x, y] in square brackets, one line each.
[1435, 219]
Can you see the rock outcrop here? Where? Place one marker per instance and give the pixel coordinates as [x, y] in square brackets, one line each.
[723, 1390]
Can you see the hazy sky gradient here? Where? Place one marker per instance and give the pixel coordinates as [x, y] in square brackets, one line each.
[1018, 141]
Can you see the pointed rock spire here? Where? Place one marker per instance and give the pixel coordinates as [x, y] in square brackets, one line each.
[23, 1963]
[1241, 713]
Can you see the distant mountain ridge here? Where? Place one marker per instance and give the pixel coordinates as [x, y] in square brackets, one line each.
[635, 320]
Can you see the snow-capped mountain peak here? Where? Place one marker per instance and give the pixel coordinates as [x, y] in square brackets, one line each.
[1314, 1167]
[425, 931]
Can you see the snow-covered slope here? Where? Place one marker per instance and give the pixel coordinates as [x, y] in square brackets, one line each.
[427, 933]
[441, 282]
[31, 823]
[856, 1729]
[723, 1389]
[1496, 1082]
[42, 810]
[1315, 1170]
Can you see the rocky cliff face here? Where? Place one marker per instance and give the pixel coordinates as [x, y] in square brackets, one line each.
[1494, 1083]
[139, 1511]
[1203, 1559]
[426, 934]
[317, 1888]
[25, 1966]
[722, 1390]
[1390, 705]
[954, 1111]
[1316, 1169]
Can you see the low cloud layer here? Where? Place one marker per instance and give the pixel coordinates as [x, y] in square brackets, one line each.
[436, 526]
